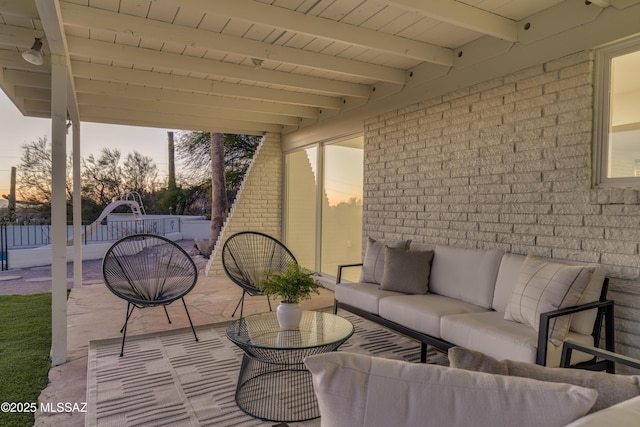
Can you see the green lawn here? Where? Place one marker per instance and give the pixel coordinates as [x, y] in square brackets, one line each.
[25, 343]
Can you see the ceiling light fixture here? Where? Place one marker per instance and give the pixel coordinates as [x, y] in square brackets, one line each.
[34, 55]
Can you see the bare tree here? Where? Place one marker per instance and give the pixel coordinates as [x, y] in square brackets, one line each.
[105, 178]
[139, 173]
[102, 176]
[35, 171]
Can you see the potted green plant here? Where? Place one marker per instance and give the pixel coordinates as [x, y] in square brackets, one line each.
[292, 286]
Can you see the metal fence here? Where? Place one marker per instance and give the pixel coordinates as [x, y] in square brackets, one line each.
[3, 248]
[33, 235]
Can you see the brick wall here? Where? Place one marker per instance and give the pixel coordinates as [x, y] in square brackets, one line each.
[506, 164]
[258, 206]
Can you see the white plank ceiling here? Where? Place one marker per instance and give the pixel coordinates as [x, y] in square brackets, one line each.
[245, 66]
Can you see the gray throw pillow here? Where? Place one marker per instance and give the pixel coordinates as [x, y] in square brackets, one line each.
[373, 263]
[406, 271]
[612, 389]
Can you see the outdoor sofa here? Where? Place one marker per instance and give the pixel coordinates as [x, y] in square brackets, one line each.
[477, 390]
[505, 305]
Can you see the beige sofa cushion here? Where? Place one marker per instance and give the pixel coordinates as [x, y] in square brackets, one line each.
[465, 274]
[373, 262]
[365, 296]
[406, 271]
[583, 322]
[510, 266]
[423, 313]
[624, 414]
[491, 334]
[359, 390]
[612, 389]
[544, 286]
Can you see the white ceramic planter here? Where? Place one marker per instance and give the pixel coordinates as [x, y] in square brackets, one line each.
[289, 315]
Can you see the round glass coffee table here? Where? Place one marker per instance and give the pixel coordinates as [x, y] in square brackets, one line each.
[274, 384]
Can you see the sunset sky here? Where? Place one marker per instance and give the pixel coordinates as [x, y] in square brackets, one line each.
[17, 130]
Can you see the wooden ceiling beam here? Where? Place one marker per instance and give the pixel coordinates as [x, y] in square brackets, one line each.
[135, 106]
[28, 78]
[189, 98]
[174, 120]
[38, 94]
[154, 58]
[22, 8]
[18, 37]
[464, 16]
[37, 107]
[87, 17]
[601, 3]
[289, 20]
[94, 71]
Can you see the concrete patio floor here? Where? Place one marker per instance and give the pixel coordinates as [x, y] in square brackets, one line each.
[94, 313]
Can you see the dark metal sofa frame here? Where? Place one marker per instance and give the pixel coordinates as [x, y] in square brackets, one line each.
[609, 358]
[605, 316]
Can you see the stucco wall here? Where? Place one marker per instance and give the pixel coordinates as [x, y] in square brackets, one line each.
[505, 164]
[258, 205]
[300, 214]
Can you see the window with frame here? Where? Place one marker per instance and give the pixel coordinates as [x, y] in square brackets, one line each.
[617, 115]
[323, 205]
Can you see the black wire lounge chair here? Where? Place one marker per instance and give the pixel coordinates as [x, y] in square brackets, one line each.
[147, 271]
[248, 257]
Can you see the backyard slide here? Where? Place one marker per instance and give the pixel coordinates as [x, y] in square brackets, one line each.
[135, 208]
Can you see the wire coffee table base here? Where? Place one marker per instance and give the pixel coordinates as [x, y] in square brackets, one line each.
[274, 384]
[276, 391]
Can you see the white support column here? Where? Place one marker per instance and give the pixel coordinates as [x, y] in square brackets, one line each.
[59, 79]
[77, 209]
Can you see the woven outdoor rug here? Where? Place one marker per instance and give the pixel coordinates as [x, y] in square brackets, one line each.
[168, 378]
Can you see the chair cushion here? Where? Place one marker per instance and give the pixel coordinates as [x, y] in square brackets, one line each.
[465, 274]
[612, 389]
[624, 414]
[406, 271]
[359, 390]
[491, 334]
[544, 286]
[373, 262]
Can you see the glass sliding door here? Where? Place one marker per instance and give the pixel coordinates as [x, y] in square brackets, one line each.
[301, 210]
[323, 212]
[341, 227]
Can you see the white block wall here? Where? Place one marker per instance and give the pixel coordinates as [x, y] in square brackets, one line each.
[506, 164]
[258, 206]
